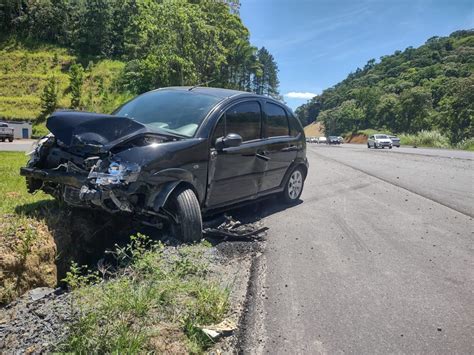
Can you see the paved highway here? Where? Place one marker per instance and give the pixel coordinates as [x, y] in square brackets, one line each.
[379, 257]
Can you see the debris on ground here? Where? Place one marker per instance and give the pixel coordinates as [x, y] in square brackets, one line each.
[232, 229]
[216, 331]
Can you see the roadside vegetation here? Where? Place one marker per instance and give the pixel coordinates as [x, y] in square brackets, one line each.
[156, 301]
[424, 94]
[27, 250]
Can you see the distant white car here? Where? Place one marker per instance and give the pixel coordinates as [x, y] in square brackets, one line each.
[379, 141]
[395, 141]
[322, 140]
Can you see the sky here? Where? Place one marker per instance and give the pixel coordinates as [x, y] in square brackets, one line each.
[317, 43]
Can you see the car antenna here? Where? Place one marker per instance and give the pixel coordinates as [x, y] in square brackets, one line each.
[201, 84]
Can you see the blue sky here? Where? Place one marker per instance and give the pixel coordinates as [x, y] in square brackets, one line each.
[317, 43]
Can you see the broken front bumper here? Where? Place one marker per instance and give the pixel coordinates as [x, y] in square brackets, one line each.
[55, 176]
[80, 190]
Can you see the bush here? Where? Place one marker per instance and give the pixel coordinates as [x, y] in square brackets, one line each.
[425, 139]
[466, 144]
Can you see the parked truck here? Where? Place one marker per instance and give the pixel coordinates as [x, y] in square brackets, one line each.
[6, 133]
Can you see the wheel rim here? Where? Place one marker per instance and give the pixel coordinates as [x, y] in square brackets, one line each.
[295, 184]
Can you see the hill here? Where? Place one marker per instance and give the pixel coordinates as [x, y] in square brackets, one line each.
[418, 89]
[314, 129]
[24, 73]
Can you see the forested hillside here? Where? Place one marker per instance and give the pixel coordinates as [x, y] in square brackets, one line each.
[93, 54]
[425, 88]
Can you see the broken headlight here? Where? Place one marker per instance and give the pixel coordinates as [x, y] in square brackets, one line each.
[116, 173]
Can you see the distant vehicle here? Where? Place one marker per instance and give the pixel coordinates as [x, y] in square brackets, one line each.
[379, 141]
[395, 141]
[322, 140]
[341, 140]
[6, 133]
[333, 140]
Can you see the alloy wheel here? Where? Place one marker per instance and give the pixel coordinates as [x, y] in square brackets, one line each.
[295, 184]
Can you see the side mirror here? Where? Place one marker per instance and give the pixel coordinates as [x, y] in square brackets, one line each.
[231, 140]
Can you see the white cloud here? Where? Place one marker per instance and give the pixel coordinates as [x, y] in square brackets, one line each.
[300, 95]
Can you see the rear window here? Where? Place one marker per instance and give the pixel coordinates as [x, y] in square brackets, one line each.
[277, 122]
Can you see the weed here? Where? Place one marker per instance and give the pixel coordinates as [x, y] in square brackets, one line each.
[155, 291]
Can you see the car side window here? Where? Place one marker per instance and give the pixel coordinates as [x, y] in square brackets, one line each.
[244, 119]
[295, 128]
[277, 122]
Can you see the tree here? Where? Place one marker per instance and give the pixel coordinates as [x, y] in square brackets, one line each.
[49, 99]
[266, 79]
[76, 80]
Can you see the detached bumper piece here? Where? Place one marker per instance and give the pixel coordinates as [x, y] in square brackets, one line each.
[54, 176]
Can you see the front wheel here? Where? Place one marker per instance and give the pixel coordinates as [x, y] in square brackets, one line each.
[368, 145]
[185, 205]
[294, 186]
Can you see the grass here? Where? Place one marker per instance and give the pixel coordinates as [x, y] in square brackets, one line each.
[26, 248]
[155, 302]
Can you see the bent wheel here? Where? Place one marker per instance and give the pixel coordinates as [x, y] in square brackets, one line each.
[185, 205]
[294, 186]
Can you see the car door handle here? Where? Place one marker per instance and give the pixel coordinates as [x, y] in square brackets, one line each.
[262, 156]
[290, 148]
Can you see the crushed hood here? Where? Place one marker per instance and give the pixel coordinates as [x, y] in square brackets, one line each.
[76, 128]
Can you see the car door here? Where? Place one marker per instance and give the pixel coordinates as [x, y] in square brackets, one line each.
[235, 173]
[281, 147]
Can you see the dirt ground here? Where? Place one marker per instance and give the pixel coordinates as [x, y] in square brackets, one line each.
[356, 138]
[315, 129]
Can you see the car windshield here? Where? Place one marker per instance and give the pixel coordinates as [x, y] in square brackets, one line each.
[179, 112]
[381, 136]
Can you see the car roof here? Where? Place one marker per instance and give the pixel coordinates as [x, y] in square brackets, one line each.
[217, 92]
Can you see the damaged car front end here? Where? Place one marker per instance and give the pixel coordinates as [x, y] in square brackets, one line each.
[109, 162]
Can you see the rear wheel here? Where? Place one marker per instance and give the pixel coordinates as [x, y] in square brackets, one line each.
[368, 145]
[184, 204]
[294, 186]
[10, 140]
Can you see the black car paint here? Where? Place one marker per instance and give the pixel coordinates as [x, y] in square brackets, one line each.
[220, 178]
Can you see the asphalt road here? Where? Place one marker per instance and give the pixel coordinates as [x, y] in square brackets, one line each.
[18, 145]
[379, 257]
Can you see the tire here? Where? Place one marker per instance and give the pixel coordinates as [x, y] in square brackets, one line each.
[368, 145]
[10, 140]
[185, 205]
[390, 147]
[294, 186]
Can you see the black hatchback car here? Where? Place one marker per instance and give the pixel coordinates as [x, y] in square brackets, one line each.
[171, 154]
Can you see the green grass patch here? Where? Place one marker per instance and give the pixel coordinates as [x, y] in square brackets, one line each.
[13, 186]
[155, 302]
